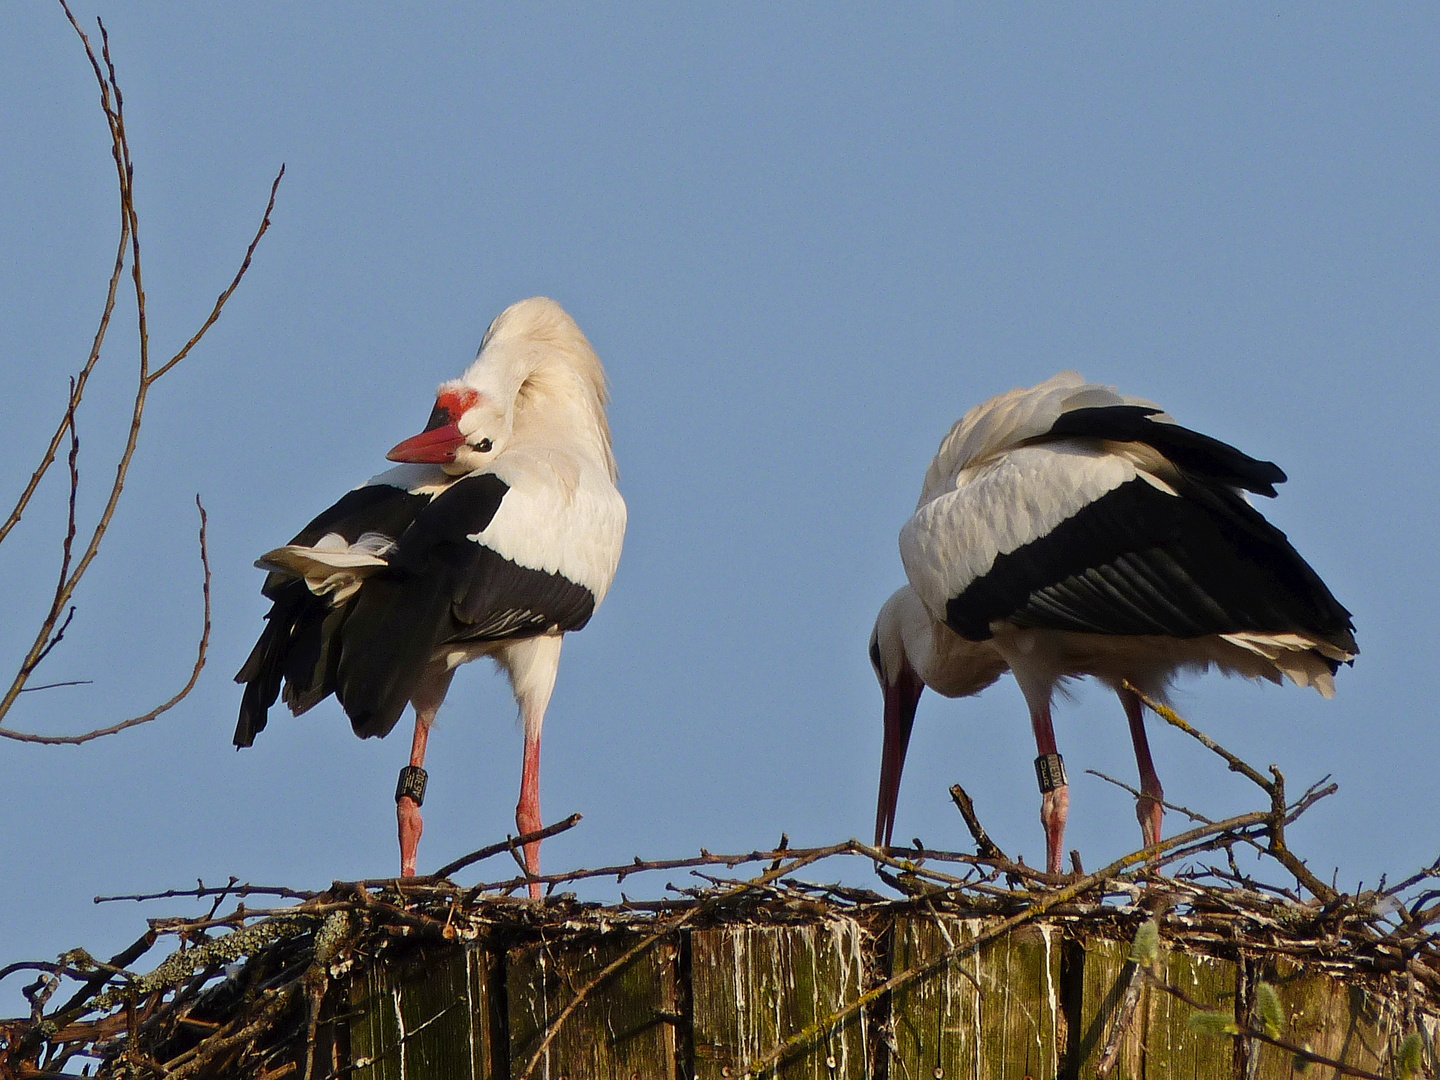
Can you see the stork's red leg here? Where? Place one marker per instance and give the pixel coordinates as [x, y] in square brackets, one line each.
[1149, 807]
[407, 808]
[1055, 791]
[527, 811]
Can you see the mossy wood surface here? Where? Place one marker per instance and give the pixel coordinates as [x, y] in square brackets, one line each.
[754, 987]
[432, 1016]
[1158, 1043]
[995, 1011]
[625, 1028]
[1037, 1003]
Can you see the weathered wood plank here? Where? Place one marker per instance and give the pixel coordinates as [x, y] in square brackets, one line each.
[753, 987]
[1336, 1019]
[1158, 1044]
[1013, 1026]
[624, 1029]
[429, 1016]
[1104, 977]
[1172, 1050]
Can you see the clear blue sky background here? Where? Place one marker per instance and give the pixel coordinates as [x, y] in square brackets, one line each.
[803, 243]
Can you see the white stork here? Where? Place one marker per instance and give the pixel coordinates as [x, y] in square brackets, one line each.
[1067, 530]
[499, 533]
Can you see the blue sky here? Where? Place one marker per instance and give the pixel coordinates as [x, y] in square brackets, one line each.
[803, 243]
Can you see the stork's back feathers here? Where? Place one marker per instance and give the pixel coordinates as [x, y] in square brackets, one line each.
[1070, 508]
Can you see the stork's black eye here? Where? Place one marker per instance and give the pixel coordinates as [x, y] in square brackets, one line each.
[485, 446]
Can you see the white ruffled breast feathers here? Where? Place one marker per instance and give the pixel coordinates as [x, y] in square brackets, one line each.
[561, 515]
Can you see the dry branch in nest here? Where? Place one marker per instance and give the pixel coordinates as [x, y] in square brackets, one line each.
[245, 990]
[73, 563]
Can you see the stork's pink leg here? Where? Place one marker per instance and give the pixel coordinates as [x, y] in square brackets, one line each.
[1149, 807]
[407, 807]
[527, 811]
[1054, 788]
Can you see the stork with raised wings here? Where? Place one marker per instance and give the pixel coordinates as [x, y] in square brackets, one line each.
[1067, 530]
[498, 534]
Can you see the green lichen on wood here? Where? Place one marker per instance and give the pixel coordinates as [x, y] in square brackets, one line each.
[754, 987]
[992, 1012]
[177, 968]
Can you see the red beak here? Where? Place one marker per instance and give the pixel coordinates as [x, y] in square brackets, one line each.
[901, 700]
[435, 446]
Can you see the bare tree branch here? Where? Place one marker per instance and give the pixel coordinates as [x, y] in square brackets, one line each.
[72, 568]
[1274, 787]
[159, 710]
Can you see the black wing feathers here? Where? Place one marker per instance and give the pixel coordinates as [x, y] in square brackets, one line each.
[300, 629]
[440, 588]
[1197, 454]
[1140, 561]
[293, 647]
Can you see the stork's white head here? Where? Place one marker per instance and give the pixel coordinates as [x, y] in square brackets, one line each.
[534, 369]
[466, 429]
[902, 688]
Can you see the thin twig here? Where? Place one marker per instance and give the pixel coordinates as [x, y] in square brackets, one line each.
[202, 653]
[1191, 814]
[495, 849]
[57, 685]
[1171, 717]
[112, 105]
[224, 297]
[239, 891]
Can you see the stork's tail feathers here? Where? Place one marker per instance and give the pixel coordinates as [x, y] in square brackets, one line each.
[1305, 659]
[295, 648]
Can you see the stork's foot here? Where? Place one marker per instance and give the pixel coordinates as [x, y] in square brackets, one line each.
[407, 811]
[1149, 811]
[1054, 812]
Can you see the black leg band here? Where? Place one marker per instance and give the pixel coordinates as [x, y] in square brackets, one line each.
[1050, 771]
[412, 784]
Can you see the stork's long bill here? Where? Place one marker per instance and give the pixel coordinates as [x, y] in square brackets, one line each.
[902, 697]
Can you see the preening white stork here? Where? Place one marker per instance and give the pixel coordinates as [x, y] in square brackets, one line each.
[1067, 530]
[499, 533]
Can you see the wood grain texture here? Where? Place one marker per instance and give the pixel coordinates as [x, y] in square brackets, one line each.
[754, 987]
[1337, 1019]
[1158, 1044]
[991, 1012]
[624, 1030]
[430, 1016]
